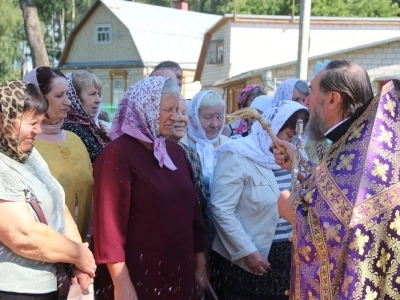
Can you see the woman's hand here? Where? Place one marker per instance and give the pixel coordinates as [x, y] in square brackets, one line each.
[257, 263]
[285, 204]
[85, 261]
[200, 275]
[81, 278]
[280, 158]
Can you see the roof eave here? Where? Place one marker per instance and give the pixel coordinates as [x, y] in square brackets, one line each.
[254, 73]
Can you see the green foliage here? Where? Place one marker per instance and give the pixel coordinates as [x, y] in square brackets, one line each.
[337, 8]
[58, 22]
[356, 8]
[11, 27]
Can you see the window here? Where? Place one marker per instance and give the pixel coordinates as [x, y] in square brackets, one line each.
[118, 90]
[215, 52]
[118, 85]
[103, 34]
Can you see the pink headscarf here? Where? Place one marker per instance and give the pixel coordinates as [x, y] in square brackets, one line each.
[244, 94]
[138, 115]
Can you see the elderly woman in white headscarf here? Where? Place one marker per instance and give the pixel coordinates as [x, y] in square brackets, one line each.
[245, 190]
[292, 89]
[206, 121]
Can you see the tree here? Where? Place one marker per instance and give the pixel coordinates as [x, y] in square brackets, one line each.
[34, 33]
[59, 19]
[10, 40]
[355, 8]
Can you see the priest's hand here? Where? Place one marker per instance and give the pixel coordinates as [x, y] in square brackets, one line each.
[281, 159]
[285, 204]
[257, 263]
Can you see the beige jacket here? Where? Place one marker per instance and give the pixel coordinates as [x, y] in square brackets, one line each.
[244, 206]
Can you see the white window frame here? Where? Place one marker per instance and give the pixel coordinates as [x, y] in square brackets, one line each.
[96, 34]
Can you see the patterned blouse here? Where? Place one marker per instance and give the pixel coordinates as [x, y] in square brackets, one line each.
[91, 143]
[194, 160]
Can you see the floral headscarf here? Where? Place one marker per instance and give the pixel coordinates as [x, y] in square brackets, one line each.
[285, 90]
[204, 146]
[78, 115]
[138, 115]
[12, 94]
[244, 94]
[256, 146]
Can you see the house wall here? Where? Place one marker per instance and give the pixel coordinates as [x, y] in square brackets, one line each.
[133, 75]
[254, 45]
[379, 61]
[84, 49]
[217, 72]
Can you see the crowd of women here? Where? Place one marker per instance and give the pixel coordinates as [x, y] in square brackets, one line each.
[184, 206]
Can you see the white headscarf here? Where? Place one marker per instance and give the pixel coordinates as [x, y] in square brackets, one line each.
[204, 146]
[256, 146]
[262, 103]
[31, 77]
[285, 90]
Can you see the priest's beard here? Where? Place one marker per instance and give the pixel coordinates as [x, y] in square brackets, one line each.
[316, 127]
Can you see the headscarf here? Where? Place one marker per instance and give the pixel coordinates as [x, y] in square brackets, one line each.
[12, 94]
[262, 103]
[285, 90]
[52, 132]
[31, 77]
[204, 146]
[78, 115]
[138, 115]
[244, 94]
[256, 146]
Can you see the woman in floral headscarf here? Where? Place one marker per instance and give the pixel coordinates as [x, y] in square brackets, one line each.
[148, 227]
[84, 91]
[292, 89]
[245, 190]
[246, 97]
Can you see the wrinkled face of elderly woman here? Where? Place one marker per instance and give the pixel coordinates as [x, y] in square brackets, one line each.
[27, 129]
[181, 124]
[169, 108]
[212, 120]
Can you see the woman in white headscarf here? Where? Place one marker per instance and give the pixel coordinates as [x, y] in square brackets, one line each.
[292, 89]
[206, 121]
[297, 90]
[245, 190]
